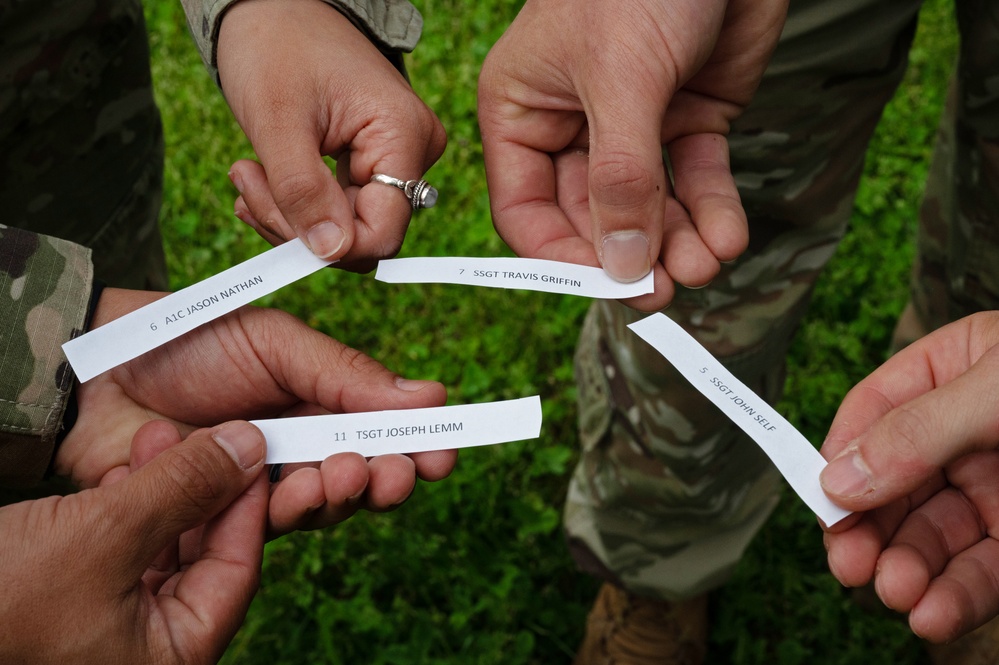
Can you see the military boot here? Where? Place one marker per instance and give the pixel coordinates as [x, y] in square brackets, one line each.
[624, 629]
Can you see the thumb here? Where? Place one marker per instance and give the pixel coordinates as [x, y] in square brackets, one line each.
[627, 179]
[306, 192]
[913, 441]
[183, 487]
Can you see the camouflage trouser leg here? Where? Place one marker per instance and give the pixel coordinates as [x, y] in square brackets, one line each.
[668, 493]
[81, 143]
[956, 271]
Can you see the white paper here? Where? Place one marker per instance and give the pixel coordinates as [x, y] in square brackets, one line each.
[170, 317]
[511, 273]
[791, 453]
[314, 438]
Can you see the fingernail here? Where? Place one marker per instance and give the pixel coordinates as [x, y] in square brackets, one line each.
[847, 476]
[237, 181]
[245, 217]
[411, 385]
[325, 239]
[625, 255]
[242, 441]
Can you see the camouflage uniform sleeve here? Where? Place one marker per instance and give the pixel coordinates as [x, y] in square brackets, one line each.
[45, 286]
[394, 26]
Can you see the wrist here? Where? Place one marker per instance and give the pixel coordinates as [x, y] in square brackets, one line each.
[72, 407]
[75, 456]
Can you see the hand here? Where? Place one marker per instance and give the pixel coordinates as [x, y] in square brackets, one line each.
[253, 363]
[576, 101]
[159, 567]
[303, 82]
[916, 445]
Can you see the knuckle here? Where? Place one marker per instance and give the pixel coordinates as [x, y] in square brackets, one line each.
[195, 478]
[438, 140]
[422, 131]
[391, 243]
[909, 432]
[297, 190]
[358, 362]
[620, 181]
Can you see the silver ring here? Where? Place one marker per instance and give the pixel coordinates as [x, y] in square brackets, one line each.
[419, 193]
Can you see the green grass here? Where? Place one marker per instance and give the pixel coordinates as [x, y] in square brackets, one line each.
[474, 569]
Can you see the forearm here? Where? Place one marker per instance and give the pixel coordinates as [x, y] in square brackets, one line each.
[45, 288]
[392, 25]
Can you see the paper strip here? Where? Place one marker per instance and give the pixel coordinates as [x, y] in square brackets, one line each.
[314, 438]
[793, 455]
[170, 317]
[511, 273]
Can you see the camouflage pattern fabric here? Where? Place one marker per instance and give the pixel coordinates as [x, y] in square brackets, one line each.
[44, 290]
[81, 145]
[81, 159]
[668, 494]
[956, 271]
